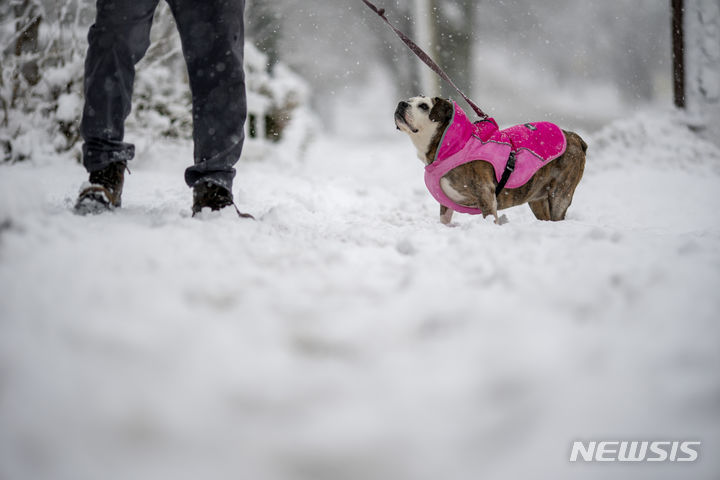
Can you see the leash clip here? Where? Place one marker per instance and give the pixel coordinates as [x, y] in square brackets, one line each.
[510, 167]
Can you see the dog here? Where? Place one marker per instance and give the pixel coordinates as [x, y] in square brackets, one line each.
[477, 168]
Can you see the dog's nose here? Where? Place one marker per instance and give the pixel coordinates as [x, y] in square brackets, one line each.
[402, 106]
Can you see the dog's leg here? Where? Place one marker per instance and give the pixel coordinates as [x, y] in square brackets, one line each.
[446, 214]
[559, 206]
[563, 188]
[487, 201]
[541, 208]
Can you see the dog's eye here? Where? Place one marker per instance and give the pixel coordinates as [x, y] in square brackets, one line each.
[424, 106]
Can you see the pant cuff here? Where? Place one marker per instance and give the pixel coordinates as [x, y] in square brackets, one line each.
[95, 160]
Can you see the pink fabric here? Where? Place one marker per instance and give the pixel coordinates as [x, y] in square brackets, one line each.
[534, 144]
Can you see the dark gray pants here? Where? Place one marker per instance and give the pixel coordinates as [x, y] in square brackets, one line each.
[212, 35]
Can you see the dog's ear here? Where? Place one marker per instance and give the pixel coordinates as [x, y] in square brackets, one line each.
[442, 110]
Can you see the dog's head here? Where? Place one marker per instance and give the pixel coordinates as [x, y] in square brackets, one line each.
[425, 120]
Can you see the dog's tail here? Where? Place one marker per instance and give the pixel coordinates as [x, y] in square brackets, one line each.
[577, 137]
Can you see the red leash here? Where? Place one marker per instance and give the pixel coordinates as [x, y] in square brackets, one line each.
[424, 57]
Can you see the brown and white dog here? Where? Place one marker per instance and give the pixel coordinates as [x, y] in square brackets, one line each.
[549, 191]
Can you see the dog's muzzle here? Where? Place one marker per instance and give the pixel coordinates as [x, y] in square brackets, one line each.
[400, 113]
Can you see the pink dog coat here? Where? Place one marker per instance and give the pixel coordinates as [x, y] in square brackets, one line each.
[534, 145]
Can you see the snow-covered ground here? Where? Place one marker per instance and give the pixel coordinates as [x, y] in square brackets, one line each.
[347, 334]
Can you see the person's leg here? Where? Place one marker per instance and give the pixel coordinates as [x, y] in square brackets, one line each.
[212, 35]
[117, 41]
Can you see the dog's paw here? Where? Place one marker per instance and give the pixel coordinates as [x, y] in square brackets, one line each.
[446, 215]
[502, 220]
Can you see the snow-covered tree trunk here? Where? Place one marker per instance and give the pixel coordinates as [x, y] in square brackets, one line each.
[702, 65]
[426, 33]
[444, 30]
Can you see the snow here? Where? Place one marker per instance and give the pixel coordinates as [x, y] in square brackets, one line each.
[69, 107]
[347, 333]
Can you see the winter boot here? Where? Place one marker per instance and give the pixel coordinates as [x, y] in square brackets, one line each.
[104, 190]
[215, 197]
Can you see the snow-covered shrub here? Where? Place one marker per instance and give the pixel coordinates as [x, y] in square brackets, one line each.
[278, 109]
[41, 80]
[162, 104]
[41, 90]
